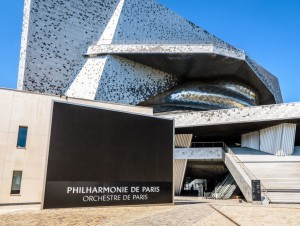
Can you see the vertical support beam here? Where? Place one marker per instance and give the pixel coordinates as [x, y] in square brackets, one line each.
[181, 141]
[179, 172]
[288, 138]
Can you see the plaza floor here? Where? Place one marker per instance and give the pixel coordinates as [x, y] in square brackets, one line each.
[186, 211]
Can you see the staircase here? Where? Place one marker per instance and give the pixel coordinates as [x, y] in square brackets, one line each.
[279, 175]
[290, 197]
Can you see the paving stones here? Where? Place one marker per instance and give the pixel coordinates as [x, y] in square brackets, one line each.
[186, 211]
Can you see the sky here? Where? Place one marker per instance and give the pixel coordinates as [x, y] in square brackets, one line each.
[268, 30]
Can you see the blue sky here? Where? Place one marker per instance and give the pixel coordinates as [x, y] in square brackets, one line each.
[268, 30]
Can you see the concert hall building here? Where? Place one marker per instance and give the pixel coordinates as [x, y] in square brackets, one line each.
[128, 102]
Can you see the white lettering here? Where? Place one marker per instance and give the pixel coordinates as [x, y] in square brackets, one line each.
[69, 189]
[103, 198]
[135, 189]
[75, 190]
[94, 190]
[99, 190]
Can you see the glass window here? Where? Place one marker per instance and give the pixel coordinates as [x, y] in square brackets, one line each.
[16, 182]
[22, 136]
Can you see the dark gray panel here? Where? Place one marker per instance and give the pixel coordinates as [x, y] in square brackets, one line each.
[100, 146]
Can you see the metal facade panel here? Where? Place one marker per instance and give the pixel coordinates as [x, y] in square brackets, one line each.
[288, 138]
[278, 140]
[251, 140]
[179, 171]
[183, 140]
[270, 139]
[52, 56]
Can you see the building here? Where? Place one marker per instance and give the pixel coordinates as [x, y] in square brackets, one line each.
[139, 53]
[135, 52]
[26, 120]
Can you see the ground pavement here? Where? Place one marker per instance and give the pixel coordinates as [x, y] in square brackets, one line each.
[186, 211]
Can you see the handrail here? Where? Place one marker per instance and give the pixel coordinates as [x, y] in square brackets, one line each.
[247, 171]
[245, 168]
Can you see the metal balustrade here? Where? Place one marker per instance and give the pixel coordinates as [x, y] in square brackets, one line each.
[208, 144]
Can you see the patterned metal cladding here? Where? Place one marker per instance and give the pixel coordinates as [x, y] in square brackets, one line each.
[56, 36]
[278, 140]
[183, 140]
[268, 79]
[209, 95]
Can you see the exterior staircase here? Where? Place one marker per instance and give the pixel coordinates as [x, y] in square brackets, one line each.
[279, 175]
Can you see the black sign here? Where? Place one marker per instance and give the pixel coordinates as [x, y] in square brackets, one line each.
[256, 190]
[85, 193]
[92, 149]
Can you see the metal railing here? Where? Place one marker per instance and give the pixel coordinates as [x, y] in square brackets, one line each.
[247, 171]
[214, 144]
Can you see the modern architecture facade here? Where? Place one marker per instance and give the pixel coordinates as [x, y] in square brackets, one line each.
[135, 52]
[33, 112]
[134, 55]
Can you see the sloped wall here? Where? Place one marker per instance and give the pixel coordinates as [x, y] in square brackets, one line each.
[55, 36]
[125, 81]
[148, 22]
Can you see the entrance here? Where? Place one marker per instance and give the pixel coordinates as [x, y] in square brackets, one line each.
[209, 179]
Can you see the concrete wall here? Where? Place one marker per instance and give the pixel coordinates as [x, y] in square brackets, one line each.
[239, 175]
[198, 153]
[32, 110]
